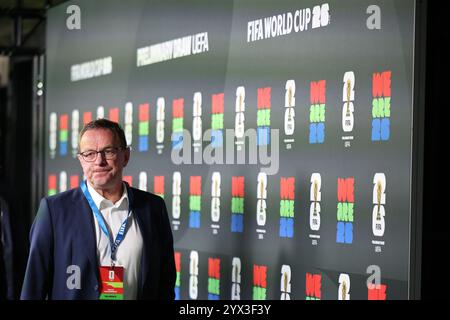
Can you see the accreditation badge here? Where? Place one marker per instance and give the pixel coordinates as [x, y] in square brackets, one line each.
[111, 283]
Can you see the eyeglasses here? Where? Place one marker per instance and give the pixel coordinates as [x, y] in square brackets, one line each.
[109, 153]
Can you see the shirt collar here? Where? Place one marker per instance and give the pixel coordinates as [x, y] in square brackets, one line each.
[102, 202]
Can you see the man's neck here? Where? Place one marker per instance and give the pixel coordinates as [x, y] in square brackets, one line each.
[112, 194]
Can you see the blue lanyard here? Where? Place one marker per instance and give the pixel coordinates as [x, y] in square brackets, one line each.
[101, 221]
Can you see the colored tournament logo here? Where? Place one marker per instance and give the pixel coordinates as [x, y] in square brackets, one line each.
[63, 134]
[217, 120]
[158, 186]
[128, 127]
[317, 112]
[53, 132]
[74, 132]
[259, 282]
[287, 196]
[114, 114]
[237, 203]
[195, 201]
[376, 292]
[87, 117]
[215, 201]
[213, 279]
[289, 113]
[345, 210]
[381, 106]
[176, 199]
[193, 275]
[143, 181]
[239, 121]
[263, 116]
[160, 117]
[313, 286]
[51, 185]
[128, 179]
[144, 124]
[178, 278]
[348, 97]
[74, 181]
[197, 121]
[344, 287]
[177, 123]
[285, 282]
[236, 279]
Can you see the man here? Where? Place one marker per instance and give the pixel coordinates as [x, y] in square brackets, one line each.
[104, 239]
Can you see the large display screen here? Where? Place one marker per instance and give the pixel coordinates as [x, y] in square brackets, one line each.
[279, 133]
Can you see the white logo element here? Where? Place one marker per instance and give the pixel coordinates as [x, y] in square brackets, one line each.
[236, 279]
[143, 181]
[100, 112]
[285, 285]
[74, 278]
[315, 198]
[375, 278]
[160, 116]
[197, 120]
[239, 123]
[348, 96]
[289, 113]
[193, 278]
[129, 123]
[75, 130]
[53, 126]
[74, 20]
[176, 191]
[320, 16]
[215, 201]
[344, 287]
[374, 20]
[379, 199]
[262, 196]
[62, 181]
[111, 275]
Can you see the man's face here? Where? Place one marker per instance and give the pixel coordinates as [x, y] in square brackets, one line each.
[103, 173]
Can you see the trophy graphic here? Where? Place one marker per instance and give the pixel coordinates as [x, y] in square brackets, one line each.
[379, 199]
[160, 116]
[176, 191]
[262, 196]
[314, 214]
[236, 279]
[193, 278]
[143, 181]
[53, 134]
[129, 123]
[215, 201]
[240, 109]
[75, 129]
[197, 120]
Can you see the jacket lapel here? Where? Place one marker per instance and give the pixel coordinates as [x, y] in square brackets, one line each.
[142, 216]
[86, 225]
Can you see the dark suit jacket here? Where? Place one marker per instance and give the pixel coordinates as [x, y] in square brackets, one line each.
[63, 235]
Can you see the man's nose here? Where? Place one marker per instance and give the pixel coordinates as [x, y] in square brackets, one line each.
[101, 158]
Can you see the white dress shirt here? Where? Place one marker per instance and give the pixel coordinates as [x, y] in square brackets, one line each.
[129, 252]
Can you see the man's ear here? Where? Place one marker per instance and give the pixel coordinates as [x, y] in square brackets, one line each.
[127, 157]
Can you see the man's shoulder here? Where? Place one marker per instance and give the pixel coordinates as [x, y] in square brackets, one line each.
[148, 196]
[64, 197]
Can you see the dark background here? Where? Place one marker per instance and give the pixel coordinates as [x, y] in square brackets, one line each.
[16, 145]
